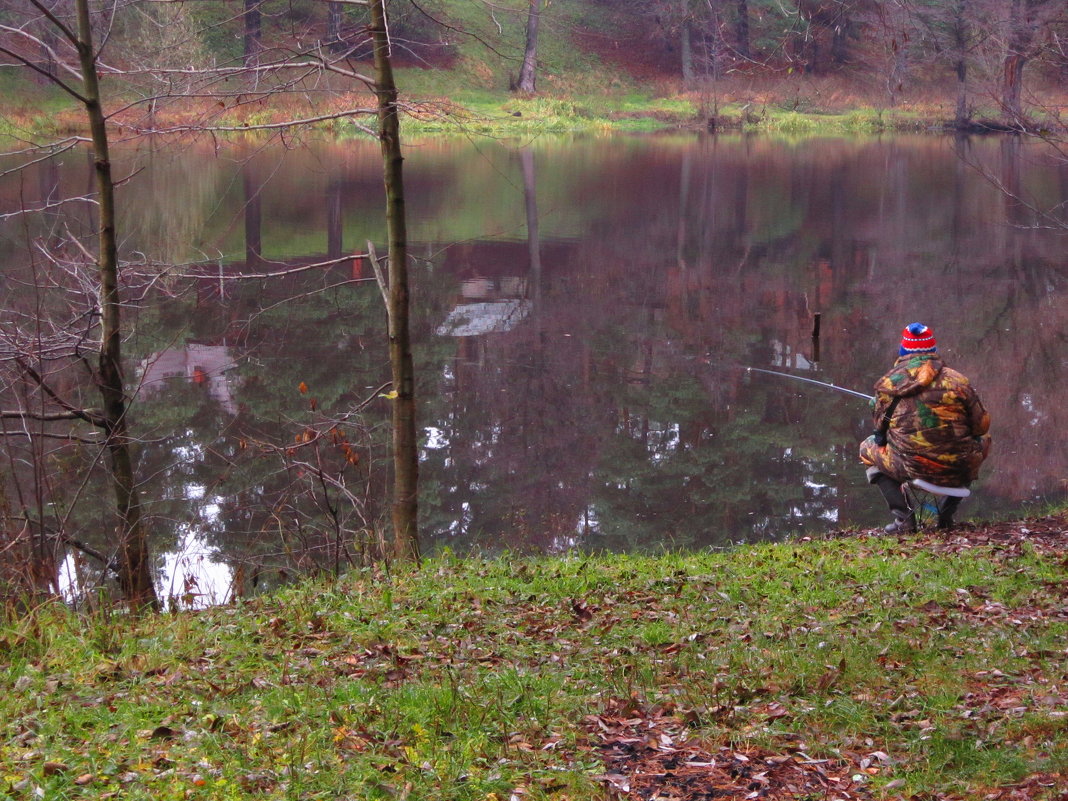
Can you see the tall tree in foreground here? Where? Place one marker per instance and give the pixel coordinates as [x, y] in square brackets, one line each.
[405, 444]
[132, 552]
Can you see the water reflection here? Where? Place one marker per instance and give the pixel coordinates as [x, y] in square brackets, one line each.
[203, 365]
[194, 575]
[585, 313]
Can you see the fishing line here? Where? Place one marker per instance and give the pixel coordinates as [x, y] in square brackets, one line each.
[825, 384]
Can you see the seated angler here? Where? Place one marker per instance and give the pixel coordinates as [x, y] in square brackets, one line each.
[930, 425]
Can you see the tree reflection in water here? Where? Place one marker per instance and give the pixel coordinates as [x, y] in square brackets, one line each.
[583, 311]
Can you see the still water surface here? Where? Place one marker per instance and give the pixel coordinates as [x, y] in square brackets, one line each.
[585, 309]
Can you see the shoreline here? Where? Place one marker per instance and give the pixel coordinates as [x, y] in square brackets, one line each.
[503, 114]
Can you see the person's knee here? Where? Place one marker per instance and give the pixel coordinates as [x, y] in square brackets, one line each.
[872, 474]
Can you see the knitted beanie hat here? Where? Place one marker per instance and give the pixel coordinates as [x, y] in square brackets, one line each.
[917, 338]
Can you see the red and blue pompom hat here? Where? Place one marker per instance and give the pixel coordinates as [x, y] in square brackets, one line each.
[917, 338]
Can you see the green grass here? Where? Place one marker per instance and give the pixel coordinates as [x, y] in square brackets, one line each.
[502, 113]
[856, 121]
[471, 678]
[29, 109]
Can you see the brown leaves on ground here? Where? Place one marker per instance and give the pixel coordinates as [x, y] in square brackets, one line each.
[1042, 534]
[649, 755]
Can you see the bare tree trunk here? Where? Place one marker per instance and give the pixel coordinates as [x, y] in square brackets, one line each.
[253, 32]
[529, 71]
[741, 28]
[962, 116]
[333, 27]
[1011, 88]
[715, 41]
[686, 42]
[1015, 59]
[405, 445]
[135, 576]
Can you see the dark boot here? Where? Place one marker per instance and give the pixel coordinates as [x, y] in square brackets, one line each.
[947, 507]
[904, 519]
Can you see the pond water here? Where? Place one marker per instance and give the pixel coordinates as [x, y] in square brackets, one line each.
[585, 311]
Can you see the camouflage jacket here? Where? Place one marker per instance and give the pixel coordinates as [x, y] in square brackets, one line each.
[939, 428]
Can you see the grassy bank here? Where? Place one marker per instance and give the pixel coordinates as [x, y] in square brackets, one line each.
[868, 667]
[504, 115]
[437, 104]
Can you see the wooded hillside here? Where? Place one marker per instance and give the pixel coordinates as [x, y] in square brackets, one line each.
[995, 59]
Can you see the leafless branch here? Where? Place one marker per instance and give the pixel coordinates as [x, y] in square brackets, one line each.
[61, 26]
[51, 435]
[46, 417]
[263, 69]
[280, 273]
[30, 65]
[380, 276]
[48, 206]
[88, 415]
[274, 126]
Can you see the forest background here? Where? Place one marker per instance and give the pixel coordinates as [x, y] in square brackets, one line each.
[567, 64]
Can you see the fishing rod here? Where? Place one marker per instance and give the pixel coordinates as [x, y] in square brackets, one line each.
[810, 381]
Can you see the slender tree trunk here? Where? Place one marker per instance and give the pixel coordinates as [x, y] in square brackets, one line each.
[1015, 59]
[253, 32]
[741, 28]
[333, 27]
[715, 40]
[686, 42]
[686, 52]
[962, 115]
[1012, 88]
[528, 73]
[838, 43]
[135, 576]
[405, 445]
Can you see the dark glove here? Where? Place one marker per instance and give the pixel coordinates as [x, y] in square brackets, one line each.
[880, 438]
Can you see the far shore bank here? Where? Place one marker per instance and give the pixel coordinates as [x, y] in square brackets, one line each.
[508, 114]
